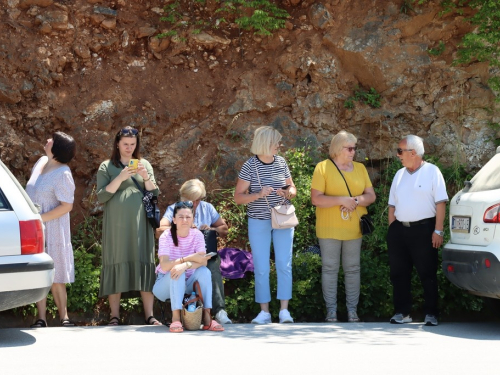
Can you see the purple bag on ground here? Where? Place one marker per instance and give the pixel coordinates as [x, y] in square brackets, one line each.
[235, 262]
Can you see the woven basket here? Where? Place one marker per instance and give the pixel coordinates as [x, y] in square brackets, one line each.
[192, 320]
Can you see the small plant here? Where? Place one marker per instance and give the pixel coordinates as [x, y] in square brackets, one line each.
[496, 127]
[265, 16]
[169, 33]
[438, 50]
[370, 97]
[407, 6]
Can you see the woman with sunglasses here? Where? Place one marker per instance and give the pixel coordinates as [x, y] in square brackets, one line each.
[128, 243]
[264, 182]
[183, 261]
[51, 186]
[206, 217]
[341, 190]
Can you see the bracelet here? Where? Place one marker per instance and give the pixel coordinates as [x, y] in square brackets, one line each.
[189, 264]
[149, 178]
[181, 259]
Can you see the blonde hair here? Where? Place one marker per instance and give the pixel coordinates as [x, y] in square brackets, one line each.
[338, 142]
[264, 139]
[192, 190]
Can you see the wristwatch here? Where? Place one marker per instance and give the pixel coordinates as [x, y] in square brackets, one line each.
[439, 232]
[356, 200]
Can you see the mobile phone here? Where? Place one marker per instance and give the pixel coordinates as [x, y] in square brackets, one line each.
[209, 255]
[285, 187]
[133, 163]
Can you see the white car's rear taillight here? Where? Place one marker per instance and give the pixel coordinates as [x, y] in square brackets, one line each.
[31, 237]
[492, 214]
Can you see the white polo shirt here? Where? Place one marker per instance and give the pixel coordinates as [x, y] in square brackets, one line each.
[414, 195]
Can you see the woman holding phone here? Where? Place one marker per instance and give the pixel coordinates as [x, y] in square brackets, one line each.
[128, 243]
[183, 261]
[264, 182]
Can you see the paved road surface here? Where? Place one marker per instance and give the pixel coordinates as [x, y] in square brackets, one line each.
[361, 348]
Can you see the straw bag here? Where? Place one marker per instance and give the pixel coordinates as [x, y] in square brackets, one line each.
[192, 320]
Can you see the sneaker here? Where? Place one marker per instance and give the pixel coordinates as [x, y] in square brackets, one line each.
[430, 320]
[222, 318]
[331, 316]
[352, 317]
[285, 316]
[400, 319]
[262, 318]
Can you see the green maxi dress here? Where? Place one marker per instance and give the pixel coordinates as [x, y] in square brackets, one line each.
[128, 243]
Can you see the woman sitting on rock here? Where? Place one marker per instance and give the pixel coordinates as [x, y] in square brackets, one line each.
[183, 261]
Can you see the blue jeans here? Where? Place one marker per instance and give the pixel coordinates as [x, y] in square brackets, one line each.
[260, 234]
[165, 287]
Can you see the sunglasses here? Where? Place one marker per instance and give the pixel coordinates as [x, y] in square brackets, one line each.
[184, 204]
[350, 149]
[401, 150]
[131, 131]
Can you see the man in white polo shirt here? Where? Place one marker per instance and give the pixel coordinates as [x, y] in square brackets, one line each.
[417, 206]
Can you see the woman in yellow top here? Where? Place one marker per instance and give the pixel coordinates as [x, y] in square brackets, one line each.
[337, 220]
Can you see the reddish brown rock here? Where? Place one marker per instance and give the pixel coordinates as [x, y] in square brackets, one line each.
[25, 4]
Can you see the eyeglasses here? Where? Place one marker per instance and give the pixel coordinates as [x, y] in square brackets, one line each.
[401, 150]
[351, 148]
[129, 131]
[184, 204]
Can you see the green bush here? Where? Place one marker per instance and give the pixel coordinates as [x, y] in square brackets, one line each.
[375, 302]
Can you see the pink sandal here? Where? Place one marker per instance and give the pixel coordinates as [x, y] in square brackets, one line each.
[214, 326]
[176, 327]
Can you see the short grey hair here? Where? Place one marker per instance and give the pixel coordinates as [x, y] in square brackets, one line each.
[414, 142]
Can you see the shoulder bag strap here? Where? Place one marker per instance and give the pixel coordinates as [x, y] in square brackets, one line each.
[349, 190]
[257, 170]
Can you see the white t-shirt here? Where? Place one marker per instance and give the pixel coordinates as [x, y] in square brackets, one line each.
[415, 194]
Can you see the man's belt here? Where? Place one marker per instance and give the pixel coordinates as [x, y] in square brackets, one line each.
[419, 222]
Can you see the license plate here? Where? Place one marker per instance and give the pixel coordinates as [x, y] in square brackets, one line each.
[460, 224]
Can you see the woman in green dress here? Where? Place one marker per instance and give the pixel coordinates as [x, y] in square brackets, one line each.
[128, 244]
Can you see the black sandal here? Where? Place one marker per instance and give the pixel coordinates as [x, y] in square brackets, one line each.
[67, 323]
[114, 321]
[40, 323]
[152, 321]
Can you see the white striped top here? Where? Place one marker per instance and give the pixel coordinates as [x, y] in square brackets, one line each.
[271, 174]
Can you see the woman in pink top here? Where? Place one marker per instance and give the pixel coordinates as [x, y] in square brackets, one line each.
[183, 261]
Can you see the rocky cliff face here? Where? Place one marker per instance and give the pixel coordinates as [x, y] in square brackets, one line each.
[90, 67]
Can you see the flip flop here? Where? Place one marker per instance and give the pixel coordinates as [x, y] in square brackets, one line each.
[114, 321]
[214, 326]
[176, 327]
[40, 323]
[152, 321]
[67, 323]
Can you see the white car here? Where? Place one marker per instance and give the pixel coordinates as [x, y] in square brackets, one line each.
[26, 271]
[471, 260]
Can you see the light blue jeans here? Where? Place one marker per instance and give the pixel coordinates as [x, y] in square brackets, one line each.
[260, 234]
[165, 287]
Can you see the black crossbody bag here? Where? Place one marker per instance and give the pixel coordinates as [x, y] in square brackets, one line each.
[365, 222]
